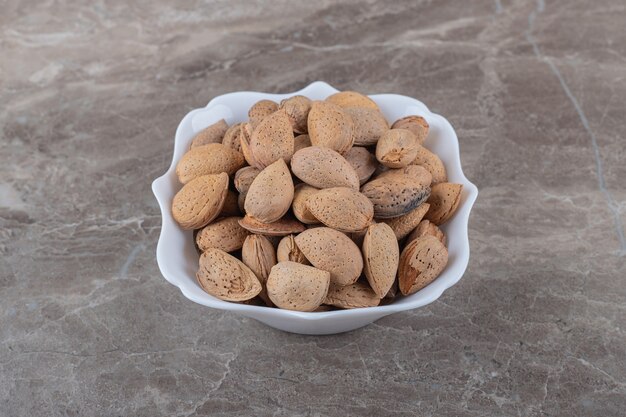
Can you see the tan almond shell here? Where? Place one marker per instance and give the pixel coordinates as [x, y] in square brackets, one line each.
[416, 171]
[332, 251]
[259, 255]
[432, 163]
[395, 196]
[300, 210]
[232, 137]
[444, 200]
[200, 201]
[210, 134]
[244, 142]
[231, 206]
[403, 225]
[244, 178]
[297, 109]
[272, 140]
[270, 194]
[330, 127]
[363, 162]
[416, 124]
[341, 208]
[213, 158]
[396, 148]
[288, 250]
[381, 254]
[357, 295]
[224, 234]
[282, 227]
[323, 168]
[301, 142]
[226, 277]
[369, 125]
[293, 286]
[426, 227]
[259, 110]
[421, 262]
[352, 99]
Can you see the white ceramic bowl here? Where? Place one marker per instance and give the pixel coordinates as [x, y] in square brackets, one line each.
[178, 259]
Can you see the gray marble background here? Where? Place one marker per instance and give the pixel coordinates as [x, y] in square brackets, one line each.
[90, 96]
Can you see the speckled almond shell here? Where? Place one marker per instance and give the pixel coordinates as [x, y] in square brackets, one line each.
[272, 140]
[210, 134]
[403, 225]
[200, 201]
[395, 196]
[332, 251]
[416, 124]
[288, 250]
[259, 255]
[282, 227]
[432, 163]
[232, 137]
[381, 254]
[396, 148]
[330, 127]
[298, 287]
[259, 110]
[444, 200]
[297, 109]
[224, 234]
[270, 194]
[213, 158]
[352, 99]
[341, 208]
[421, 261]
[244, 177]
[300, 210]
[226, 277]
[231, 206]
[323, 168]
[415, 171]
[363, 162]
[425, 228]
[369, 125]
[301, 142]
[357, 295]
[244, 142]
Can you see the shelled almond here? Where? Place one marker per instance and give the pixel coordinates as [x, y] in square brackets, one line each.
[315, 204]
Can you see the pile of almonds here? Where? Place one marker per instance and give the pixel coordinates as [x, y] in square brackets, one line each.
[306, 206]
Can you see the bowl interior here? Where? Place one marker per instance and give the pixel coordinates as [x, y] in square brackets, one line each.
[178, 259]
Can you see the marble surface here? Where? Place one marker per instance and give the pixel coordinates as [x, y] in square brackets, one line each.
[91, 94]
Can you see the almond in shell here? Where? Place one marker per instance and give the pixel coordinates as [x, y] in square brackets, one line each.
[380, 257]
[288, 250]
[396, 195]
[272, 140]
[357, 295]
[416, 124]
[297, 109]
[363, 162]
[323, 168]
[299, 207]
[341, 208]
[213, 158]
[298, 287]
[270, 194]
[352, 99]
[432, 163]
[244, 178]
[396, 148]
[444, 200]
[259, 110]
[421, 261]
[232, 137]
[415, 171]
[211, 134]
[282, 227]
[330, 127]
[259, 255]
[200, 201]
[427, 228]
[226, 277]
[369, 125]
[224, 234]
[403, 225]
[300, 142]
[332, 251]
[244, 142]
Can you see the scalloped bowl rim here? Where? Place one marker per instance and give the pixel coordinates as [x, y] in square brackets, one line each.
[318, 90]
